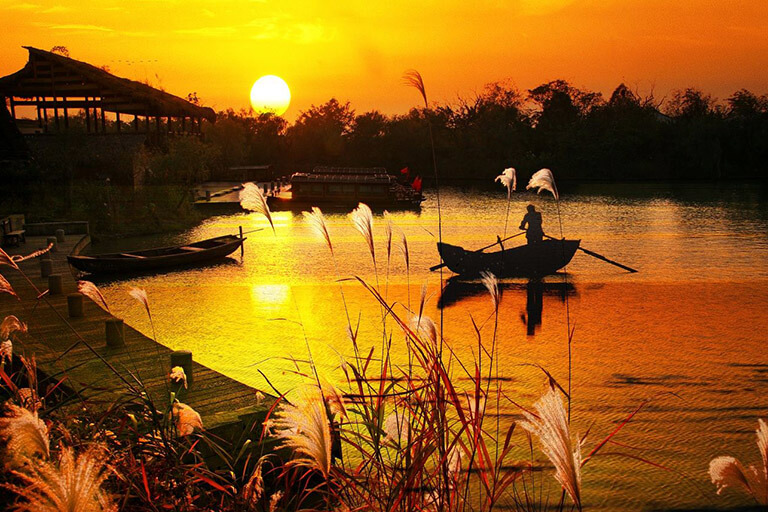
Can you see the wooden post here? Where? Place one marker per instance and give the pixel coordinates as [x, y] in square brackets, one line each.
[114, 331]
[117, 121]
[136, 123]
[242, 249]
[75, 305]
[60, 235]
[55, 284]
[46, 267]
[183, 358]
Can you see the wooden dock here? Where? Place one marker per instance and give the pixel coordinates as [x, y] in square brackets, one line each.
[223, 403]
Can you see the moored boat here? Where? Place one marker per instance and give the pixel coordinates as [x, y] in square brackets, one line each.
[159, 258]
[530, 260]
[345, 187]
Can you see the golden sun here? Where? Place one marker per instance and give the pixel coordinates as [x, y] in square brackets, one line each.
[270, 93]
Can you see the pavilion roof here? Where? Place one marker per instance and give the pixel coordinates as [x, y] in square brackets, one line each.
[53, 75]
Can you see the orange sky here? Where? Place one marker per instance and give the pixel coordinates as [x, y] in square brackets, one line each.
[357, 51]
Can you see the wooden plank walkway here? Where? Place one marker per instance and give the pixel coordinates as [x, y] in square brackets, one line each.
[222, 402]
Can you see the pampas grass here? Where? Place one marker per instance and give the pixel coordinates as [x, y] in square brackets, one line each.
[726, 471]
[492, 285]
[316, 219]
[187, 419]
[7, 260]
[6, 351]
[140, 295]
[305, 429]
[362, 219]
[5, 287]
[508, 178]
[74, 485]
[10, 325]
[550, 425]
[543, 180]
[90, 290]
[25, 436]
[252, 198]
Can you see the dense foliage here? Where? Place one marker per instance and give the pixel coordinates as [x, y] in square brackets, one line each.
[579, 133]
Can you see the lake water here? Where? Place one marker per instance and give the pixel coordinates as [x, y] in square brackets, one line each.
[690, 330]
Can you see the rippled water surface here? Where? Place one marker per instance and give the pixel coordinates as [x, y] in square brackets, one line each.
[690, 330]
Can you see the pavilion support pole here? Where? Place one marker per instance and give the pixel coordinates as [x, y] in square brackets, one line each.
[117, 121]
[45, 118]
[13, 108]
[157, 123]
[146, 123]
[170, 125]
[103, 119]
[66, 115]
[56, 111]
[136, 123]
[184, 124]
[39, 114]
[87, 116]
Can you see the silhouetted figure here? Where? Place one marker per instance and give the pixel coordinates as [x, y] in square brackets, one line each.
[532, 224]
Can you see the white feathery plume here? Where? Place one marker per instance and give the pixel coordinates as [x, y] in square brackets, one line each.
[177, 375]
[90, 290]
[5, 287]
[508, 178]
[10, 325]
[316, 219]
[397, 427]
[552, 429]
[252, 198]
[492, 284]
[72, 485]
[543, 180]
[425, 328]
[140, 295]
[362, 219]
[726, 471]
[305, 429]
[187, 419]
[25, 435]
[6, 351]
[334, 398]
[7, 260]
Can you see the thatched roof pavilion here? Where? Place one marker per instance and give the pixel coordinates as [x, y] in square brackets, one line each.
[53, 82]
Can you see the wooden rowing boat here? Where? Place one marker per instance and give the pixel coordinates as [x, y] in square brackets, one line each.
[531, 260]
[159, 258]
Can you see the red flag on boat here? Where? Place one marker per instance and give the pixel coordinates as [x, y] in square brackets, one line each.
[416, 185]
[405, 171]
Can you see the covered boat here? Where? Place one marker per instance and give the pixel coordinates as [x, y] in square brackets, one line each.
[345, 187]
[531, 260]
[159, 258]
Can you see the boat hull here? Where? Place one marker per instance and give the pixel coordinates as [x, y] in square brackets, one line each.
[157, 259]
[531, 260]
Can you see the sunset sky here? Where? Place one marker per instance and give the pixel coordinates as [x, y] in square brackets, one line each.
[357, 51]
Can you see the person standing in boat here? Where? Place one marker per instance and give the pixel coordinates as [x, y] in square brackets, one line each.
[532, 225]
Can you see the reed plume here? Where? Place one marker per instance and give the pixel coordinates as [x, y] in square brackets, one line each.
[388, 233]
[362, 219]
[543, 180]
[726, 471]
[177, 375]
[492, 285]
[140, 295]
[403, 246]
[412, 78]
[550, 425]
[508, 178]
[425, 328]
[25, 435]
[10, 325]
[6, 351]
[90, 290]
[75, 485]
[274, 500]
[397, 427]
[253, 490]
[252, 198]
[5, 287]
[305, 429]
[316, 219]
[187, 419]
[7, 260]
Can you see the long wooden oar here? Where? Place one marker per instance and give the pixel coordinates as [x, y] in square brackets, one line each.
[600, 257]
[480, 249]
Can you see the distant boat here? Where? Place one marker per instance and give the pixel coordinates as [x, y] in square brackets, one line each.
[345, 187]
[159, 258]
[531, 260]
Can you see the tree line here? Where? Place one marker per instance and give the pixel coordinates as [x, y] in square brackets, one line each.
[579, 133]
